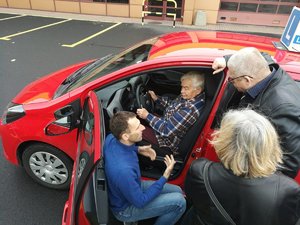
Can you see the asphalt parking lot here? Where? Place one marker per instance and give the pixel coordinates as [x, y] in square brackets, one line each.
[33, 46]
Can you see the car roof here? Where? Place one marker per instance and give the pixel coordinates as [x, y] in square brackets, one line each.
[212, 44]
[220, 42]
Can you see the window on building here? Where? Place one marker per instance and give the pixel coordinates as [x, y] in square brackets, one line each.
[285, 9]
[290, 1]
[267, 8]
[232, 6]
[154, 3]
[248, 7]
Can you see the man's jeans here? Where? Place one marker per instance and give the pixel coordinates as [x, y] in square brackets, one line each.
[168, 207]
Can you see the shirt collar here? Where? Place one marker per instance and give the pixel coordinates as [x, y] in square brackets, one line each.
[199, 96]
[127, 148]
[256, 89]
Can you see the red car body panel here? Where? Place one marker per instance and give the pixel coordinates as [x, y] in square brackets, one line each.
[43, 89]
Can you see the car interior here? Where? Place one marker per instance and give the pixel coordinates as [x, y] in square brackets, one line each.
[131, 94]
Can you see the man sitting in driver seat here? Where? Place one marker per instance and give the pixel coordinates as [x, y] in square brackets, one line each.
[179, 114]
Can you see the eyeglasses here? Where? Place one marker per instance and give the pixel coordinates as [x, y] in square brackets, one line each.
[230, 79]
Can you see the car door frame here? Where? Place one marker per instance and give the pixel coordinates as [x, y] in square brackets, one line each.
[79, 180]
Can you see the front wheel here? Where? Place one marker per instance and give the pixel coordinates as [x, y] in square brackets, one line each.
[48, 166]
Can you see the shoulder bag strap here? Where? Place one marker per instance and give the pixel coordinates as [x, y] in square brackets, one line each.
[212, 195]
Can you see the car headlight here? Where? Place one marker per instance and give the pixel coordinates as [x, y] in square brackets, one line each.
[12, 113]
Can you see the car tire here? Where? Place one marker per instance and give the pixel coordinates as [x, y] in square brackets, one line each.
[48, 166]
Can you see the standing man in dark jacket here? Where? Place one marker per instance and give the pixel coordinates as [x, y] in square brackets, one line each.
[268, 89]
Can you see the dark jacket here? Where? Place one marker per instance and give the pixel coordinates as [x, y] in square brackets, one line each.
[280, 102]
[273, 200]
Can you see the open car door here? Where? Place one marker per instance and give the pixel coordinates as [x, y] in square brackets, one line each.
[88, 202]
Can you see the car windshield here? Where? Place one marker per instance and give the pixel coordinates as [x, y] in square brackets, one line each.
[107, 65]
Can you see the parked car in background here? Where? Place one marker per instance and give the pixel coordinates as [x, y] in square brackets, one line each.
[63, 118]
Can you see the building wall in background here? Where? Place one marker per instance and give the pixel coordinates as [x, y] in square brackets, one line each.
[225, 11]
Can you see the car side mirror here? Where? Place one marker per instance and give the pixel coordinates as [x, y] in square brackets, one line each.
[64, 112]
[58, 127]
[64, 122]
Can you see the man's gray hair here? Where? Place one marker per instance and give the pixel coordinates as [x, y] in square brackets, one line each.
[248, 61]
[197, 78]
[247, 144]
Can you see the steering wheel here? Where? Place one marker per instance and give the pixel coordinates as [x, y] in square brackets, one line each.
[143, 98]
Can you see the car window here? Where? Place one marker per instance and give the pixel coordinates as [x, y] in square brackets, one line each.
[133, 55]
[80, 74]
[88, 120]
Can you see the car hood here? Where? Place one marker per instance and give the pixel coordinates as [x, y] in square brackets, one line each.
[43, 89]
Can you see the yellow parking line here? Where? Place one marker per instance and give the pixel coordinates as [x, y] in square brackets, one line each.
[13, 17]
[90, 37]
[7, 38]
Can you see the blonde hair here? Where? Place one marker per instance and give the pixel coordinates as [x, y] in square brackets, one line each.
[247, 144]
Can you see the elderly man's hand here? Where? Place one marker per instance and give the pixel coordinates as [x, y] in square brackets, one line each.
[218, 65]
[153, 95]
[147, 151]
[142, 113]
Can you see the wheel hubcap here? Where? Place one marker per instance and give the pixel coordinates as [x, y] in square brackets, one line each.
[48, 168]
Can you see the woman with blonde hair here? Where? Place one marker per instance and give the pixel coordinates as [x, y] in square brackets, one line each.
[245, 181]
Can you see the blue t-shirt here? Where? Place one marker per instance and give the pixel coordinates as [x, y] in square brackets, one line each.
[124, 177]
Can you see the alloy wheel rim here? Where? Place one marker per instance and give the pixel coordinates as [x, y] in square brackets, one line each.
[48, 168]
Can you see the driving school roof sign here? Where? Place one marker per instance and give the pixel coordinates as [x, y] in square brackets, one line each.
[291, 34]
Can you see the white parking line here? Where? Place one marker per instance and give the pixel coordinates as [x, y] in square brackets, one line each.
[13, 17]
[90, 37]
[7, 38]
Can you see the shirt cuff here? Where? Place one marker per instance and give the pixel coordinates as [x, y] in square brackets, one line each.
[163, 180]
[149, 117]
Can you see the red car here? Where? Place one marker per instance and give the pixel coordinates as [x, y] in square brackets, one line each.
[42, 123]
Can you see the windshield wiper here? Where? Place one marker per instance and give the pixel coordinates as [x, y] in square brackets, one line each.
[76, 75]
